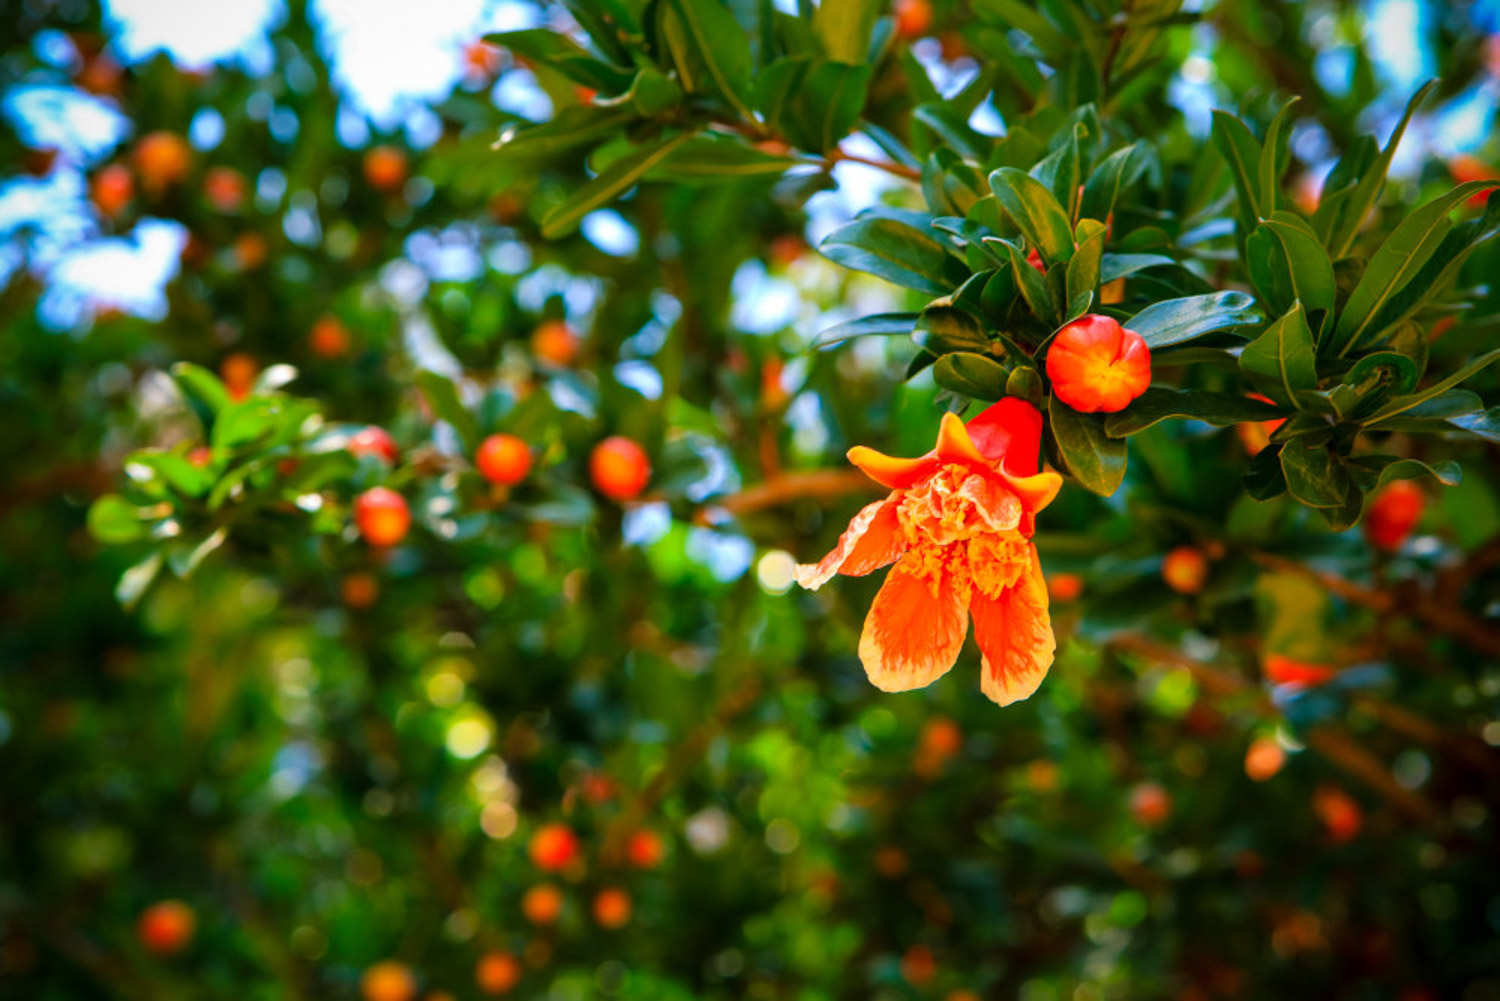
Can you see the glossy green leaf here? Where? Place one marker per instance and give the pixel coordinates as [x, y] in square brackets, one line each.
[1362, 198]
[134, 581]
[1287, 264]
[442, 396]
[942, 328]
[1118, 171]
[1035, 212]
[572, 127]
[201, 387]
[895, 251]
[711, 50]
[715, 157]
[1176, 321]
[1406, 403]
[1314, 474]
[1033, 288]
[844, 28]
[1083, 270]
[1282, 359]
[1160, 403]
[1089, 455]
[1241, 151]
[1112, 266]
[610, 183]
[113, 520]
[561, 53]
[1273, 161]
[974, 375]
[875, 325]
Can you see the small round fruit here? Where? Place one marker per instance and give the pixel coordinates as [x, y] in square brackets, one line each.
[224, 187]
[112, 189]
[644, 849]
[360, 590]
[388, 980]
[918, 966]
[497, 972]
[250, 250]
[382, 516]
[553, 847]
[542, 904]
[328, 338]
[913, 18]
[555, 343]
[619, 468]
[1263, 758]
[1185, 569]
[162, 159]
[1150, 804]
[503, 459]
[166, 927]
[1283, 670]
[1340, 813]
[373, 440]
[238, 372]
[941, 737]
[1393, 514]
[1064, 586]
[612, 907]
[385, 168]
[1097, 366]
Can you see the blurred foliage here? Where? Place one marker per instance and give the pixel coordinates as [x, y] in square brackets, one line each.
[1263, 765]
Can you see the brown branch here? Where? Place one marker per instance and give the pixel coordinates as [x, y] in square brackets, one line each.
[900, 170]
[819, 483]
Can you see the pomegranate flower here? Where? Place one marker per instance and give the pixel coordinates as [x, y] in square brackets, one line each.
[958, 526]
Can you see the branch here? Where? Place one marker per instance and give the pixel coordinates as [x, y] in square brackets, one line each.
[820, 483]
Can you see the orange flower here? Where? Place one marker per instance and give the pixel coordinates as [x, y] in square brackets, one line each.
[958, 525]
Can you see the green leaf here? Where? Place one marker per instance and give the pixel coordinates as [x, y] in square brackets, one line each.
[844, 27]
[1447, 472]
[134, 581]
[1058, 172]
[1033, 287]
[974, 375]
[942, 328]
[1484, 424]
[246, 422]
[1273, 160]
[875, 325]
[183, 558]
[1402, 404]
[1314, 474]
[564, 55]
[650, 93]
[201, 388]
[951, 127]
[711, 50]
[612, 181]
[1338, 187]
[1035, 212]
[442, 396]
[1399, 259]
[1112, 266]
[1372, 179]
[1089, 455]
[113, 520]
[1083, 271]
[1118, 171]
[1025, 383]
[898, 252]
[183, 476]
[1282, 358]
[1015, 14]
[1287, 264]
[1240, 149]
[1176, 321]
[1160, 403]
[571, 127]
[712, 157]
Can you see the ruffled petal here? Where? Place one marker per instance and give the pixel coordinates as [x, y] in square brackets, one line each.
[1000, 509]
[889, 471]
[1036, 491]
[1014, 633]
[914, 630]
[872, 540]
[1009, 433]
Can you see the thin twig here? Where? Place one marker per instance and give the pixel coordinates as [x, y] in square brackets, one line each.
[819, 483]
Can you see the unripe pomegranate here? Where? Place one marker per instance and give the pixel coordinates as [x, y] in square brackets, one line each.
[555, 343]
[166, 927]
[373, 440]
[162, 159]
[1263, 758]
[1393, 514]
[553, 847]
[388, 980]
[224, 187]
[611, 907]
[382, 516]
[644, 849]
[497, 972]
[503, 459]
[542, 904]
[328, 338]
[385, 168]
[112, 189]
[1150, 804]
[1185, 569]
[619, 468]
[913, 18]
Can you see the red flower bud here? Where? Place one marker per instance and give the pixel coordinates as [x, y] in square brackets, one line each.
[1097, 366]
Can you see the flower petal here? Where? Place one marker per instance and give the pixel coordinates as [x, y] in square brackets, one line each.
[872, 540]
[1009, 433]
[914, 631]
[889, 471]
[1014, 633]
[955, 445]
